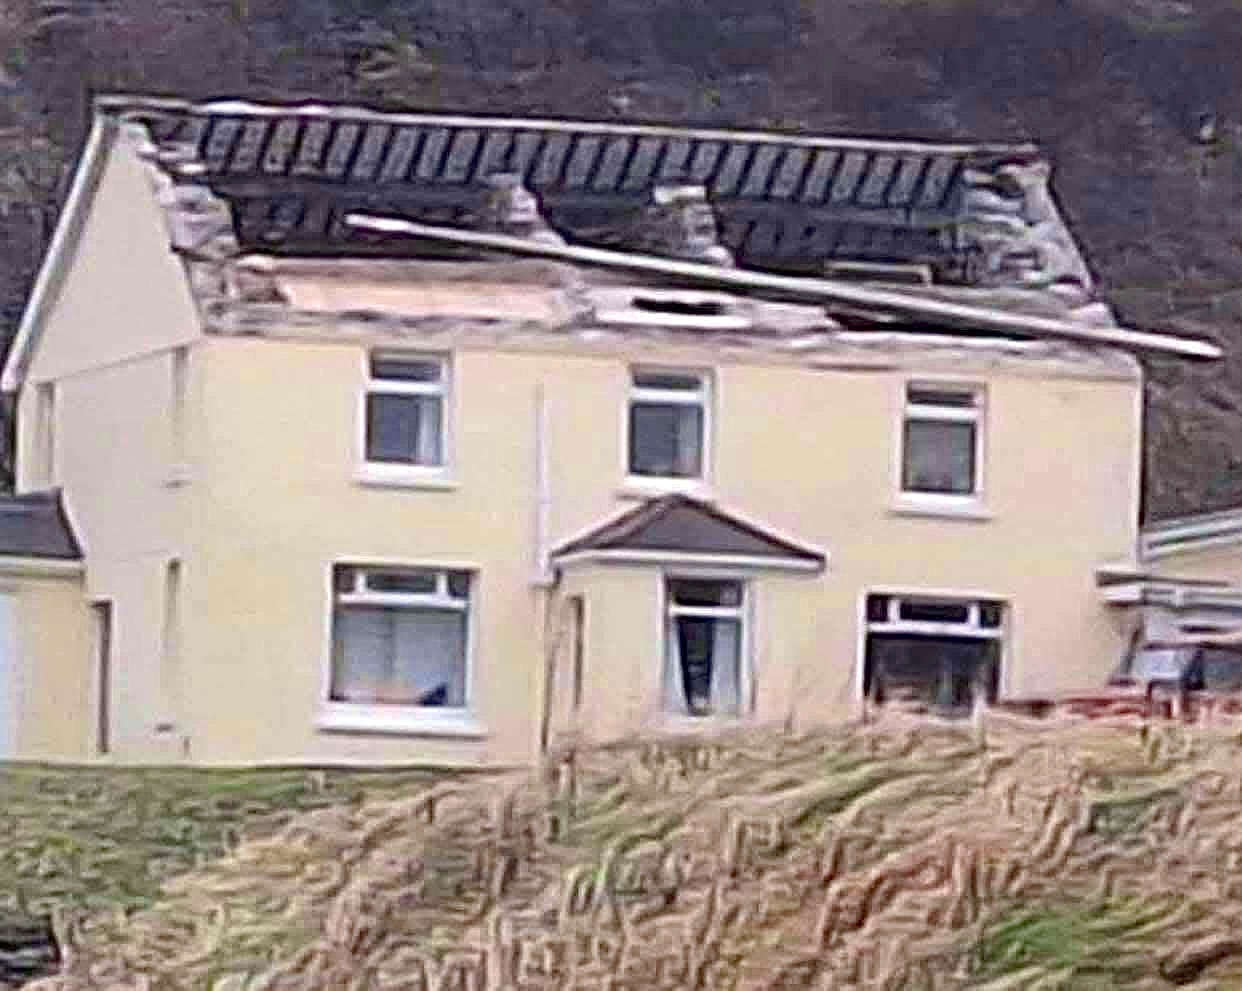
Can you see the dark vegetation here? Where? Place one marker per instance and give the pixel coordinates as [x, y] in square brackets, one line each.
[1137, 102]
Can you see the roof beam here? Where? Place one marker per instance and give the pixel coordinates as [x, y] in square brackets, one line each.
[819, 290]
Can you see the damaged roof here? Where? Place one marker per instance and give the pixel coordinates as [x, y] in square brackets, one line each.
[784, 202]
[35, 526]
[680, 525]
[883, 237]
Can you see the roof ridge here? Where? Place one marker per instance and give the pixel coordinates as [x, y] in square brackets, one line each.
[122, 103]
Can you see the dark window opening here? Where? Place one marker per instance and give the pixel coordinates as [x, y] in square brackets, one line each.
[923, 611]
[945, 674]
[679, 307]
[877, 608]
[990, 615]
[402, 582]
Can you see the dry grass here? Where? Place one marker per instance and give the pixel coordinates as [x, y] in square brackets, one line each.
[903, 855]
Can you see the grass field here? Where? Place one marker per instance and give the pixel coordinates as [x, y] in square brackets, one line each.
[103, 839]
[901, 855]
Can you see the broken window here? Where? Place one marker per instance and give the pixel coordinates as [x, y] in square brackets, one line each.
[399, 636]
[942, 653]
[940, 441]
[405, 410]
[703, 653]
[667, 424]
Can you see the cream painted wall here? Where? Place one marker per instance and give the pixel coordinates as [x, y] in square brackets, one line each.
[810, 452]
[125, 293]
[106, 348]
[54, 649]
[132, 514]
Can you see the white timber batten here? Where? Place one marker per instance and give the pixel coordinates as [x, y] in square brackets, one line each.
[827, 290]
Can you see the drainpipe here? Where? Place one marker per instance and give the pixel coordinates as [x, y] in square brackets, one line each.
[544, 579]
[543, 489]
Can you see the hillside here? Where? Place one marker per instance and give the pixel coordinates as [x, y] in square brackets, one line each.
[903, 855]
[1137, 102]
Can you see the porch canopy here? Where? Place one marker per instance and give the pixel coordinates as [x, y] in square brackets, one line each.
[685, 530]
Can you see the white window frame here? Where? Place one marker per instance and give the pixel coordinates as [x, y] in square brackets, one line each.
[418, 720]
[964, 504]
[743, 612]
[1006, 632]
[703, 397]
[408, 475]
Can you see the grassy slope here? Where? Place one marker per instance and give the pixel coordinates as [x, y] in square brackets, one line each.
[899, 856]
[106, 839]
[1113, 89]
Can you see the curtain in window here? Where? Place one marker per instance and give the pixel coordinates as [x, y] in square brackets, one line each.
[939, 457]
[404, 429]
[401, 656]
[702, 668]
[666, 440]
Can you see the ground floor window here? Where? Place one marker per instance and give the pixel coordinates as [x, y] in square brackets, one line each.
[400, 636]
[704, 641]
[944, 653]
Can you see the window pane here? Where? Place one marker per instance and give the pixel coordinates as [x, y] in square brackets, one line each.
[405, 369]
[431, 656]
[681, 307]
[933, 612]
[938, 457]
[399, 656]
[459, 584]
[703, 666]
[877, 608]
[406, 582]
[343, 578]
[689, 592]
[666, 441]
[667, 380]
[404, 429]
[956, 398]
[1222, 670]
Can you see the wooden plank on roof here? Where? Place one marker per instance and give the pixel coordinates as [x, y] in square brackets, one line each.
[909, 304]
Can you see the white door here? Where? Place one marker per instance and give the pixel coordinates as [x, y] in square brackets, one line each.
[10, 677]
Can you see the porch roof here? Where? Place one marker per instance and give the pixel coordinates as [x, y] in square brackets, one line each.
[678, 526]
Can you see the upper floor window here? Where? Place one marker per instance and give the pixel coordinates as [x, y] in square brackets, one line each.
[406, 410]
[668, 412]
[941, 441]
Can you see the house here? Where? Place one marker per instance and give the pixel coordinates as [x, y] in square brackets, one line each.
[350, 436]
